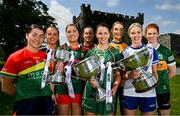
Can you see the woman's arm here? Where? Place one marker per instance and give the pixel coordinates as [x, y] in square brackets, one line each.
[154, 71]
[116, 82]
[172, 71]
[8, 86]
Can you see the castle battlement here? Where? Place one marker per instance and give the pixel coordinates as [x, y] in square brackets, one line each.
[87, 17]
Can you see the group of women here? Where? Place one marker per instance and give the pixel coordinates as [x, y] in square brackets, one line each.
[23, 71]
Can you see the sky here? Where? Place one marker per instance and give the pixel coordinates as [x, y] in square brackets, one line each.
[165, 13]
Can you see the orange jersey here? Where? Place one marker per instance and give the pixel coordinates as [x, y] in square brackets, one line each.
[119, 46]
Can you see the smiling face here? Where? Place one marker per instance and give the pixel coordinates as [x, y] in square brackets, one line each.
[102, 35]
[52, 36]
[117, 31]
[72, 33]
[35, 39]
[135, 33]
[152, 33]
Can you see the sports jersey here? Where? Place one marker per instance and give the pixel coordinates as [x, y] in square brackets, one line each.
[44, 49]
[78, 84]
[87, 48]
[89, 103]
[129, 89]
[27, 67]
[52, 61]
[166, 59]
[110, 55]
[119, 46]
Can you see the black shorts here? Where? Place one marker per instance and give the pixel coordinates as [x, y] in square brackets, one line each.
[36, 106]
[163, 101]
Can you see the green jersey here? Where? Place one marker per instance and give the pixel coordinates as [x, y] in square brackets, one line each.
[89, 104]
[78, 84]
[165, 58]
[27, 69]
[109, 55]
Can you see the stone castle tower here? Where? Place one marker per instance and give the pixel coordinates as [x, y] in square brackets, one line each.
[87, 17]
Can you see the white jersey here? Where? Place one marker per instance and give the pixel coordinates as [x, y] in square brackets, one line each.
[129, 89]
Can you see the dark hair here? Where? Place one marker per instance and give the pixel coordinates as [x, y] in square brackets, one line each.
[72, 24]
[102, 25]
[87, 27]
[81, 35]
[53, 26]
[33, 26]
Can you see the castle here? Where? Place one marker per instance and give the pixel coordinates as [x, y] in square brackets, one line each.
[87, 17]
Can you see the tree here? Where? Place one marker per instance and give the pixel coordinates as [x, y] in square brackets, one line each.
[15, 17]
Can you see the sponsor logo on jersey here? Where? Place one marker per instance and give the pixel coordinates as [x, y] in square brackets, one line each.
[171, 58]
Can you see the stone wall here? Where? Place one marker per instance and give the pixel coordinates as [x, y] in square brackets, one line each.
[165, 40]
[87, 17]
[171, 41]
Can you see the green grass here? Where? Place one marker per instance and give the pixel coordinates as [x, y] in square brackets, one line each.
[175, 95]
[6, 102]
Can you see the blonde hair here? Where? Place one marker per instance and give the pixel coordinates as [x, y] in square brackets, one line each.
[134, 25]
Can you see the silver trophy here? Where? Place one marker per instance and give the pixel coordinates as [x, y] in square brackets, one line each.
[88, 69]
[60, 56]
[138, 61]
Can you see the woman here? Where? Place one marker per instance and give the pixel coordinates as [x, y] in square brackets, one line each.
[117, 36]
[52, 40]
[106, 54]
[52, 37]
[22, 75]
[146, 101]
[88, 38]
[69, 95]
[166, 69]
[117, 42]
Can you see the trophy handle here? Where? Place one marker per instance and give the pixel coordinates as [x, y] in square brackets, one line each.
[119, 65]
